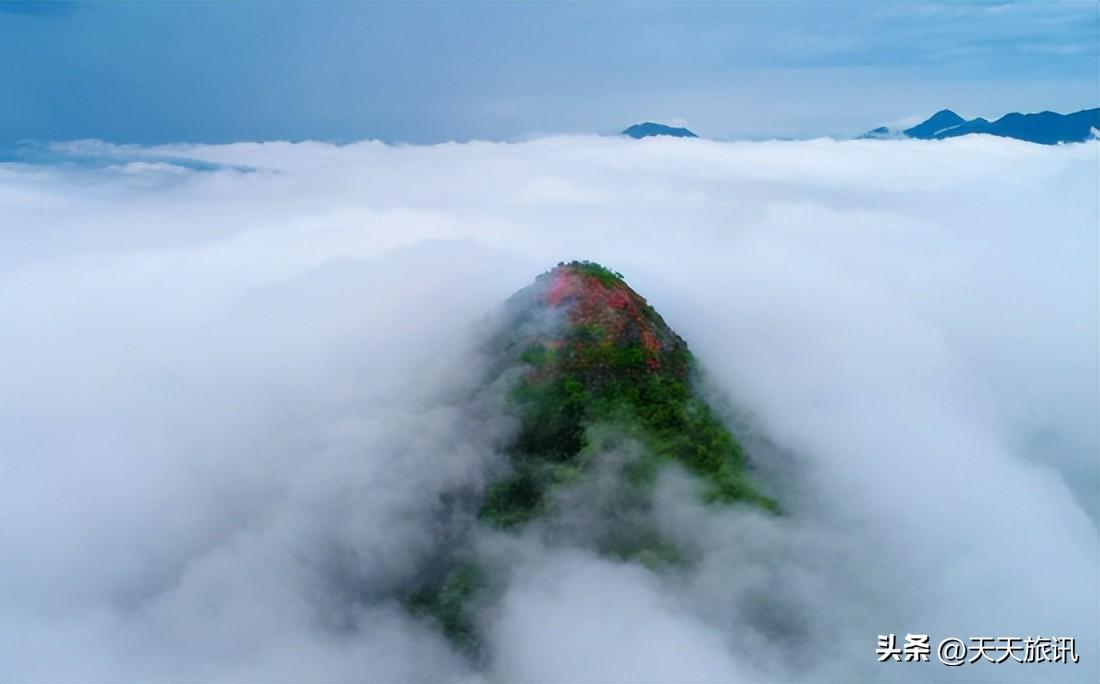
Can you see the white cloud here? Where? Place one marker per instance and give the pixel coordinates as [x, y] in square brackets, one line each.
[232, 400]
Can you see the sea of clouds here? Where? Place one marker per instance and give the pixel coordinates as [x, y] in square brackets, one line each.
[238, 384]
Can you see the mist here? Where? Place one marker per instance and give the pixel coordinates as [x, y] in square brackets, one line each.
[241, 383]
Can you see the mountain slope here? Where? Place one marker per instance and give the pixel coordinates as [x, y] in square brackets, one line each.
[596, 353]
[604, 397]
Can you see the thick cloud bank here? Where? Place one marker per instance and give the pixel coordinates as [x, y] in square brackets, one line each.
[240, 385]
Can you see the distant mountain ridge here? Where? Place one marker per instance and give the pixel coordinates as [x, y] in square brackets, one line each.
[1045, 128]
[649, 129]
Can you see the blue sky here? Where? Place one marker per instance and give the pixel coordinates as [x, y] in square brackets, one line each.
[158, 72]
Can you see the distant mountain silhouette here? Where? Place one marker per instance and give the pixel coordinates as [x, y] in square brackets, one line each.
[940, 121]
[881, 132]
[1045, 128]
[648, 129]
[978, 125]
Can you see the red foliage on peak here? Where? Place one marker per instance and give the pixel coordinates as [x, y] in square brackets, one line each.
[619, 313]
[564, 283]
